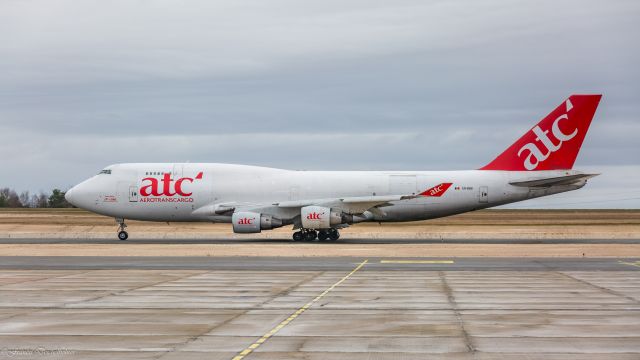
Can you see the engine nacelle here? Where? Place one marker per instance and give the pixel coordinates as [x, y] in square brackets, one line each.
[319, 217]
[245, 222]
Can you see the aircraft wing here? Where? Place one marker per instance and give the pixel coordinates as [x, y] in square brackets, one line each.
[352, 205]
[561, 180]
[362, 206]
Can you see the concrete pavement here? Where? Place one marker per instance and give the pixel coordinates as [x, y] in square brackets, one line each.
[195, 308]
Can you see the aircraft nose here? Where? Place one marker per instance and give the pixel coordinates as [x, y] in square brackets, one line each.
[84, 195]
[72, 196]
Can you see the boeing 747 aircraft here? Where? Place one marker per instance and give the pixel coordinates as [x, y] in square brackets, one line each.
[319, 203]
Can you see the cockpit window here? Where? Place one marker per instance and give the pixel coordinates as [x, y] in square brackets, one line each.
[105, 171]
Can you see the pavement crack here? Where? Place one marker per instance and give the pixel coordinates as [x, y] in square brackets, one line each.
[248, 350]
[283, 292]
[112, 293]
[601, 288]
[35, 310]
[44, 277]
[454, 306]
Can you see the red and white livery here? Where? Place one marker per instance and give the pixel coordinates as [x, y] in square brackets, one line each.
[319, 203]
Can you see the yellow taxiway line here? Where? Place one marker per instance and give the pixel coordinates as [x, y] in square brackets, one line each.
[635, 263]
[416, 262]
[294, 315]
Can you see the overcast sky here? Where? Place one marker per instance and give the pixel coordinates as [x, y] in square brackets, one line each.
[332, 85]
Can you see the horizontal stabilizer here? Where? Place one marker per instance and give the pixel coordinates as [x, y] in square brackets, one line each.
[561, 180]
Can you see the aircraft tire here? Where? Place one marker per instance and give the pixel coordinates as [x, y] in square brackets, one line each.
[323, 235]
[122, 235]
[310, 235]
[298, 236]
[334, 234]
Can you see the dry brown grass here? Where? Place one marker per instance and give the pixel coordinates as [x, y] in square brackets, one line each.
[614, 224]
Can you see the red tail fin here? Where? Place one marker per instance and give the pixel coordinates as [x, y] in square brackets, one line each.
[554, 143]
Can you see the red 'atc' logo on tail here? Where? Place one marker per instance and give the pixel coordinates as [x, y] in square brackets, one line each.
[554, 143]
[437, 190]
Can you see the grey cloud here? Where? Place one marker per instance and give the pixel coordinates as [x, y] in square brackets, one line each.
[372, 84]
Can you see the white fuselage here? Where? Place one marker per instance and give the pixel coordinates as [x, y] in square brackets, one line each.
[319, 203]
[198, 191]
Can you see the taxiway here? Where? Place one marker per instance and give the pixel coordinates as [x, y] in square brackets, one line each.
[319, 308]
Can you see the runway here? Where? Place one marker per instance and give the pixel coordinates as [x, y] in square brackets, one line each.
[76, 307]
[286, 240]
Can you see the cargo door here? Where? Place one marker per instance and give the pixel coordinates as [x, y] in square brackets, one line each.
[294, 193]
[133, 193]
[483, 195]
[122, 195]
[402, 185]
[176, 172]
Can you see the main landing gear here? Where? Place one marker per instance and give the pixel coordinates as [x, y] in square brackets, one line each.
[305, 235]
[322, 235]
[122, 235]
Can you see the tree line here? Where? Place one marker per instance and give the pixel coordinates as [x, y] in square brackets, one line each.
[9, 198]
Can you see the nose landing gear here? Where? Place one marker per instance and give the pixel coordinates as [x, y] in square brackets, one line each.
[122, 235]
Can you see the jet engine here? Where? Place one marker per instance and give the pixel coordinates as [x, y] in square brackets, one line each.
[319, 217]
[251, 222]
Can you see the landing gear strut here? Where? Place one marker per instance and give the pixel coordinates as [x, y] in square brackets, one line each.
[122, 235]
